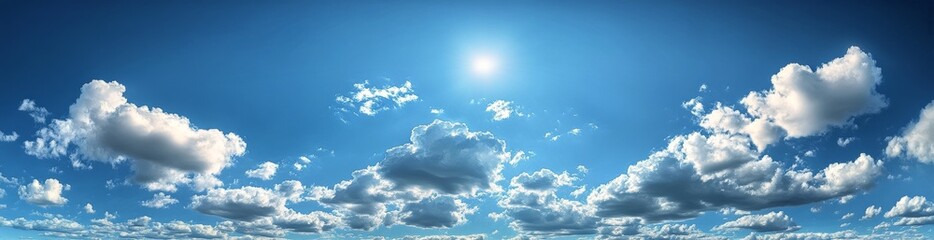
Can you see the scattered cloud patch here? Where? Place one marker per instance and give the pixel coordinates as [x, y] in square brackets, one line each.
[842, 142]
[38, 114]
[8, 137]
[159, 200]
[503, 110]
[370, 100]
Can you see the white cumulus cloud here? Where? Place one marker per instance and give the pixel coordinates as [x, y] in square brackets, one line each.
[165, 149]
[917, 141]
[47, 194]
[264, 171]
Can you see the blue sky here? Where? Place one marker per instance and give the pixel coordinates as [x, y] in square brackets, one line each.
[609, 120]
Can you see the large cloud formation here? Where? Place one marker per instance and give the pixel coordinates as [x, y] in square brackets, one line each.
[443, 161]
[698, 173]
[918, 139]
[164, 148]
[804, 102]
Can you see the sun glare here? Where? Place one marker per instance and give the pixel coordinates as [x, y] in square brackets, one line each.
[484, 65]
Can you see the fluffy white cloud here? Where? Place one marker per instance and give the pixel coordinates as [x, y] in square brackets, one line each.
[696, 173]
[804, 102]
[8, 137]
[38, 114]
[48, 194]
[291, 190]
[918, 139]
[502, 110]
[535, 209]
[245, 204]
[917, 206]
[159, 200]
[88, 208]
[164, 148]
[912, 211]
[770, 222]
[264, 171]
[724, 119]
[871, 212]
[446, 157]
[369, 100]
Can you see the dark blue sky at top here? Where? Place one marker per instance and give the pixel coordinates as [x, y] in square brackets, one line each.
[270, 71]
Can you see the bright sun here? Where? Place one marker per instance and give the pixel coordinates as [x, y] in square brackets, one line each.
[484, 65]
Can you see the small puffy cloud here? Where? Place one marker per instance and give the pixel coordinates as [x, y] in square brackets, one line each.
[722, 171]
[164, 149]
[770, 222]
[842, 142]
[88, 208]
[503, 110]
[264, 171]
[695, 106]
[437, 111]
[47, 194]
[159, 200]
[38, 114]
[917, 141]
[245, 204]
[871, 212]
[8, 137]
[847, 216]
[804, 102]
[369, 100]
